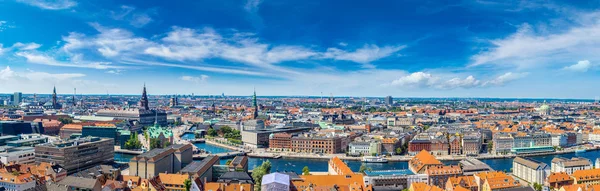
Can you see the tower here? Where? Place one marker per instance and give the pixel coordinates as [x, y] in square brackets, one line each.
[144, 100]
[74, 93]
[54, 103]
[255, 105]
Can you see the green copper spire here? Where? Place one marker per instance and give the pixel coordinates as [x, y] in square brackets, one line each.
[255, 105]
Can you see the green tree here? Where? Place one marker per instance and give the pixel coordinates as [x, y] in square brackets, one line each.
[212, 132]
[537, 187]
[259, 172]
[305, 171]
[399, 151]
[187, 184]
[133, 142]
[65, 120]
[364, 168]
[228, 162]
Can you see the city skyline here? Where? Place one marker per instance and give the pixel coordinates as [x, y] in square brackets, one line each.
[536, 49]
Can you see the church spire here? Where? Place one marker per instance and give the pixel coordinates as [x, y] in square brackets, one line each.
[144, 100]
[54, 101]
[255, 105]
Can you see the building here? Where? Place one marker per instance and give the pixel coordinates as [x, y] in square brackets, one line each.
[70, 129]
[505, 183]
[587, 177]
[472, 166]
[17, 127]
[395, 179]
[76, 154]
[139, 116]
[201, 169]
[482, 177]
[23, 155]
[337, 167]
[171, 182]
[259, 138]
[417, 145]
[17, 182]
[389, 145]
[317, 144]
[103, 131]
[364, 148]
[170, 160]
[502, 143]
[561, 164]
[275, 182]
[467, 183]
[340, 177]
[77, 183]
[439, 175]
[420, 162]
[389, 100]
[471, 145]
[530, 170]
[558, 180]
[280, 142]
[17, 98]
[418, 186]
[532, 143]
[239, 163]
[455, 143]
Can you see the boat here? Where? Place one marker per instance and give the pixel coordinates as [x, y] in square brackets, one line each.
[374, 159]
[580, 151]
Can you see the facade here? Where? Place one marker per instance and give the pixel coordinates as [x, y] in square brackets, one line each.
[259, 138]
[502, 143]
[389, 100]
[417, 145]
[26, 156]
[439, 175]
[325, 145]
[69, 129]
[398, 179]
[171, 160]
[360, 148]
[559, 179]
[106, 131]
[14, 182]
[280, 142]
[560, 164]
[17, 98]
[389, 145]
[239, 163]
[201, 169]
[141, 116]
[76, 154]
[16, 128]
[420, 162]
[471, 145]
[587, 177]
[455, 144]
[530, 170]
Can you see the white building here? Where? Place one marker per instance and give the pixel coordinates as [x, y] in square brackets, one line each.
[559, 140]
[18, 157]
[530, 170]
[560, 164]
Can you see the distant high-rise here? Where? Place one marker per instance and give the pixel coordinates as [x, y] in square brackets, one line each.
[17, 98]
[54, 101]
[389, 100]
[144, 100]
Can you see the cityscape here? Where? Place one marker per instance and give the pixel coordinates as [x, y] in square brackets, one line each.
[262, 95]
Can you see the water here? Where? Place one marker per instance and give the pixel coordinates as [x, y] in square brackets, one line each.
[320, 165]
[123, 157]
[188, 136]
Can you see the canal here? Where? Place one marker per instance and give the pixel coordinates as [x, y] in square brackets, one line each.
[320, 165]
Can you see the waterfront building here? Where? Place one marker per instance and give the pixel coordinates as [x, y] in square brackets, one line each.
[530, 170]
[502, 143]
[472, 166]
[108, 131]
[162, 134]
[259, 138]
[420, 162]
[281, 142]
[471, 145]
[587, 177]
[170, 160]
[455, 143]
[559, 140]
[76, 154]
[558, 180]
[438, 175]
[360, 148]
[418, 186]
[561, 164]
[466, 183]
[389, 145]
[239, 163]
[337, 167]
[417, 145]
[440, 146]
[394, 179]
[532, 143]
[201, 169]
[317, 144]
[275, 182]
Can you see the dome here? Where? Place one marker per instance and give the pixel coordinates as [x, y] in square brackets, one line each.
[544, 107]
[48, 104]
[271, 136]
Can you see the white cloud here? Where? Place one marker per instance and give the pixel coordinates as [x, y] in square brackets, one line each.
[140, 20]
[2, 25]
[417, 79]
[128, 13]
[50, 4]
[505, 78]
[252, 5]
[428, 80]
[26, 46]
[581, 66]
[8, 75]
[530, 47]
[76, 62]
[115, 72]
[194, 67]
[364, 55]
[200, 79]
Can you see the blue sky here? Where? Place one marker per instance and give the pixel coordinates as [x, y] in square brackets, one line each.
[538, 49]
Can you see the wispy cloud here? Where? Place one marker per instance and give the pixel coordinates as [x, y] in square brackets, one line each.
[193, 67]
[505, 78]
[428, 80]
[50, 4]
[8, 75]
[36, 58]
[252, 5]
[135, 17]
[364, 55]
[195, 79]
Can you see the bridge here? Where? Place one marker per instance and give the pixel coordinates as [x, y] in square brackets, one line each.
[220, 155]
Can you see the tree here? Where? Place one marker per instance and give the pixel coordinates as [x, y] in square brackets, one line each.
[399, 150]
[187, 184]
[364, 168]
[212, 132]
[228, 162]
[65, 120]
[133, 142]
[259, 172]
[537, 187]
[490, 146]
[305, 171]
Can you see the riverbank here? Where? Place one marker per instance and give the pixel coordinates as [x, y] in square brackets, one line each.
[230, 147]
